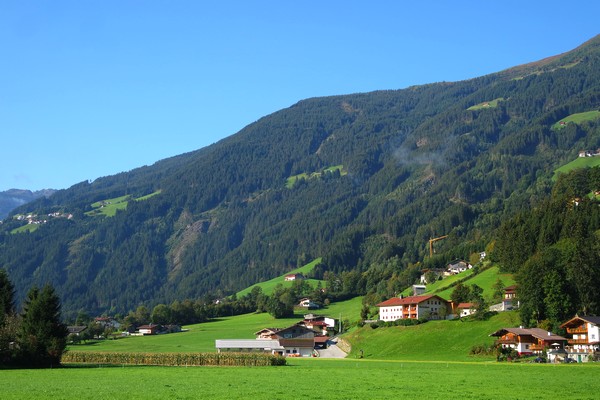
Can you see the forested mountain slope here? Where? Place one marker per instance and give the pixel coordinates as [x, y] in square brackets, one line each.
[441, 159]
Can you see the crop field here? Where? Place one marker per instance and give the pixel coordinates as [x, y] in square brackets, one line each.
[318, 379]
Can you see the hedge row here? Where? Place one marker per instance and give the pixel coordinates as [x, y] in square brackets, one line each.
[174, 359]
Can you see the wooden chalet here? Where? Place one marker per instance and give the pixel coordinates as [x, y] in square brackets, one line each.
[528, 340]
[583, 337]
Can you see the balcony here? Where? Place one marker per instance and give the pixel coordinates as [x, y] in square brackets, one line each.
[577, 330]
[536, 347]
[578, 341]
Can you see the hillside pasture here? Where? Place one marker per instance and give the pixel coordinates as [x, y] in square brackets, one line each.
[329, 379]
[486, 104]
[269, 286]
[579, 162]
[449, 340]
[577, 118]
[109, 207]
[291, 181]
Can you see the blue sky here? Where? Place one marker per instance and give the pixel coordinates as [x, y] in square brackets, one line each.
[90, 89]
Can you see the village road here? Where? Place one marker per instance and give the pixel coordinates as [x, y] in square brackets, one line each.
[332, 351]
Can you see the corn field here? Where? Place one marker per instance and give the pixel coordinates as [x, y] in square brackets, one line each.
[174, 359]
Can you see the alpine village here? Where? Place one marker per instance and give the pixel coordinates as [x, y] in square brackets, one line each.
[447, 222]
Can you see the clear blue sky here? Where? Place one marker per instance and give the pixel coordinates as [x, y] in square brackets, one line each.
[93, 88]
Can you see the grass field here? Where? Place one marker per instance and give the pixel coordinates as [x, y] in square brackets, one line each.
[577, 118]
[201, 337]
[291, 181]
[446, 340]
[269, 286]
[109, 207]
[579, 162]
[486, 104]
[313, 378]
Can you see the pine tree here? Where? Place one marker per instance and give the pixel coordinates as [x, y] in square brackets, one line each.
[42, 337]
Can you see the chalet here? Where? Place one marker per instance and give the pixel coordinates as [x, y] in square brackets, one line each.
[151, 329]
[297, 340]
[510, 300]
[266, 333]
[437, 272]
[414, 307]
[293, 277]
[294, 341]
[584, 337]
[76, 330]
[466, 309]
[528, 341]
[457, 267]
[319, 323]
[308, 303]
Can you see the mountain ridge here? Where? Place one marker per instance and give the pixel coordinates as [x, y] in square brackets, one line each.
[418, 163]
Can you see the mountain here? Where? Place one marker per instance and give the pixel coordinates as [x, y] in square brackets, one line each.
[362, 180]
[13, 198]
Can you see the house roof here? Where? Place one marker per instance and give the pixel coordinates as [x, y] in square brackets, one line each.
[268, 330]
[397, 301]
[466, 305]
[537, 333]
[576, 320]
[76, 329]
[321, 339]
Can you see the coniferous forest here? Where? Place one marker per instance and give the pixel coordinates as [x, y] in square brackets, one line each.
[361, 180]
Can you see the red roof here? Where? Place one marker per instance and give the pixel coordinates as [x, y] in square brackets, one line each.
[397, 301]
[466, 305]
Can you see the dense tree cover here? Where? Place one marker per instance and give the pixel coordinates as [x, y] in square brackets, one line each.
[417, 163]
[36, 337]
[554, 249]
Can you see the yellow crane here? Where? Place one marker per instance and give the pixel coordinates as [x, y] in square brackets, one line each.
[431, 243]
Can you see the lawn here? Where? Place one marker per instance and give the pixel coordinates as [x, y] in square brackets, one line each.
[485, 279]
[322, 379]
[445, 340]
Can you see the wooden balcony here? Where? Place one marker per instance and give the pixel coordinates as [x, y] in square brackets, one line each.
[578, 341]
[536, 347]
[581, 329]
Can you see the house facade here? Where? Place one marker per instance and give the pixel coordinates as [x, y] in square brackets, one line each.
[297, 341]
[466, 309]
[414, 307]
[457, 267]
[528, 340]
[583, 337]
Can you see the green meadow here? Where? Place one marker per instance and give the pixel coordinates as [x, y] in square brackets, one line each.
[577, 118]
[579, 162]
[109, 207]
[268, 286]
[291, 181]
[486, 104]
[313, 378]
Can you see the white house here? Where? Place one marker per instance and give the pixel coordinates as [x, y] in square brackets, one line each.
[466, 309]
[308, 303]
[415, 307]
[584, 333]
[457, 267]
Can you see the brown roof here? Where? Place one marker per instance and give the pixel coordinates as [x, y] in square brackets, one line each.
[321, 339]
[466, 305]
[397, 301]
[577, 320]
[537, 333]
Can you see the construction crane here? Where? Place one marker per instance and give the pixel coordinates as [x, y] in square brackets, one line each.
[431, 244]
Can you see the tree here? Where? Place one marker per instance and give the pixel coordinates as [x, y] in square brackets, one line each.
[8, 320]
[460, 294]
[42, 337]
[7, 295]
